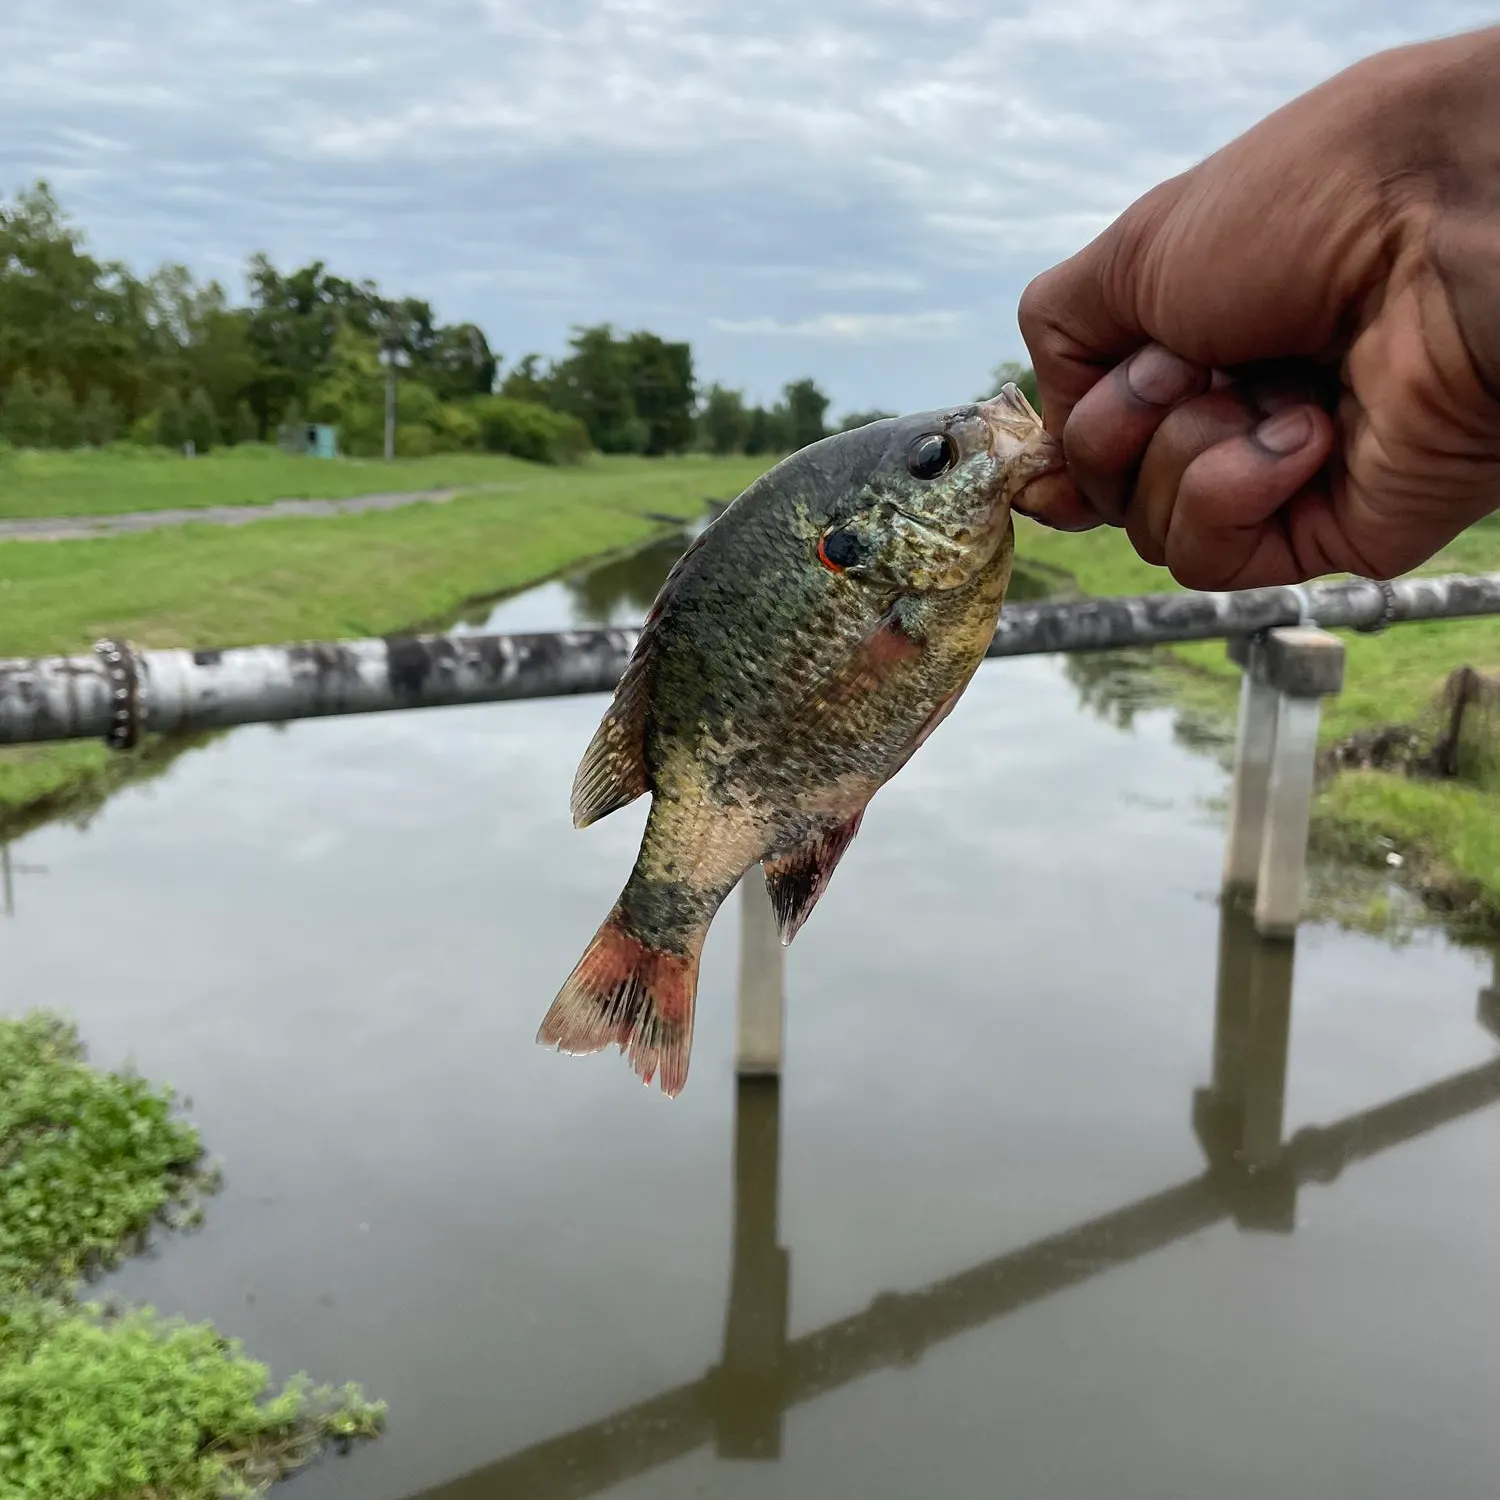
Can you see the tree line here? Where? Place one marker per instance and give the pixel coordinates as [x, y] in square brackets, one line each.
[91, 353]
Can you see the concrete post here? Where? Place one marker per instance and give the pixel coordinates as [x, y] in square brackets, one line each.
[761, 1001]
[1304, 665]
[1489, 999]
[1255, 739]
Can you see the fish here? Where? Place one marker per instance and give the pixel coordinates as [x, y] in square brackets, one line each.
[799, 653]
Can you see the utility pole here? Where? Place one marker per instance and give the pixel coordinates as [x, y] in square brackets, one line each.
[390, 404]
[392, 354]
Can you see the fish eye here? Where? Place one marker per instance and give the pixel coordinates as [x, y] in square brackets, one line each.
[931, 454]
[839, 550]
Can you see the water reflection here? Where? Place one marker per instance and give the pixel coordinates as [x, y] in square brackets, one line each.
[625, 587]
[1117, 686]
[1251, 1178]
[9, 869]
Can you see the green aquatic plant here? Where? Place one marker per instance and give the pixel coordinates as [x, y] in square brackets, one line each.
[101, 1403]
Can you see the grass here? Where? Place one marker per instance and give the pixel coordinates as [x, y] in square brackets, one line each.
[1447, 834]
[107, 1404]
[312, 578]
[103, 482]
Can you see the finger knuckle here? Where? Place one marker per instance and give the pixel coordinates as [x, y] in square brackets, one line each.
[1037, 315]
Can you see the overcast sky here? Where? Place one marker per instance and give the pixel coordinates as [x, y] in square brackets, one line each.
[856, 191]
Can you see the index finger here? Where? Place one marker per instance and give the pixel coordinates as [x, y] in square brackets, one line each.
[1081, 318]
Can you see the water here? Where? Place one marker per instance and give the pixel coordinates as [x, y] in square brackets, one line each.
[338, 940]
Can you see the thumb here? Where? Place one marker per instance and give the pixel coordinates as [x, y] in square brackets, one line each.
[1084, 316]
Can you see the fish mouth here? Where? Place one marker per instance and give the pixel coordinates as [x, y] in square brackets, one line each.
[1010, 414]
[1018, 438]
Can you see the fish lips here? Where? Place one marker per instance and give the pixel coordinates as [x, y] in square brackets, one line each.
[1010, 412]
[1017, 436]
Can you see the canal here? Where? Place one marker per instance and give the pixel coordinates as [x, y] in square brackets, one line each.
[1038, 1237]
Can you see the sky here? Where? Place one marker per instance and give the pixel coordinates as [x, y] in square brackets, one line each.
[853, 191]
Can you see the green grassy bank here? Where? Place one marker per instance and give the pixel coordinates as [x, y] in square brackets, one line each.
[100, 1403]
[104, 482]
[1446, 833]
[308, 578]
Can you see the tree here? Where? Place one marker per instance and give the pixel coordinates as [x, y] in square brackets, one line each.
[805, 408]
[99, 417]
[725, 421]
[458, 363]
[61, 311]
[351, 393]
[767, 431]
[293, 322]
[61, 419]
[201, 421]
[594, 384]
[23, 417]
[170, 421]
[89, 349]
[528, 382]
[661, 389]
[218, 359]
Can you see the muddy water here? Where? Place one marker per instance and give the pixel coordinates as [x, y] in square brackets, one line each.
[1069, 1189]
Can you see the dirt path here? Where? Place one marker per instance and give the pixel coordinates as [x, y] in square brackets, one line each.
[72, 528]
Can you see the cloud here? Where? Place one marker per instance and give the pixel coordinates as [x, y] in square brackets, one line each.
[860, 328]
[790, 186]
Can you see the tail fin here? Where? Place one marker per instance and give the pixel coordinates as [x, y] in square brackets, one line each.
[638, 997]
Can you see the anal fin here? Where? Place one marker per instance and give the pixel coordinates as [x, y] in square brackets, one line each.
[795, 880]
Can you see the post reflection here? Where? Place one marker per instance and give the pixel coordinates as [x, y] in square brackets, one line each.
[1238, 1117]
[749, 1392]
[1252, 1178]
[8, 872]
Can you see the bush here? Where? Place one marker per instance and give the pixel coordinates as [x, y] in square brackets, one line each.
[170, 422]
[457, 428]
[99, 417]
[526, 430]
[414, 440]
[61, 414]
[23, 414]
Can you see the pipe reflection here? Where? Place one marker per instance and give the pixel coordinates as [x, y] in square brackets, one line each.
[1251, 1178]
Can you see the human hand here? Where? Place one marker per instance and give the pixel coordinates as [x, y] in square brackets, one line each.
[1286, 361]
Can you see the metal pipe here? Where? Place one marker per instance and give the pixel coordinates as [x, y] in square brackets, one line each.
[86, 697]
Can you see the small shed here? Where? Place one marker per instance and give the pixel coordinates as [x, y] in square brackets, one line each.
[314, 439]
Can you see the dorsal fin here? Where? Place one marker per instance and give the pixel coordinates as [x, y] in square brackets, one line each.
[612, 773]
